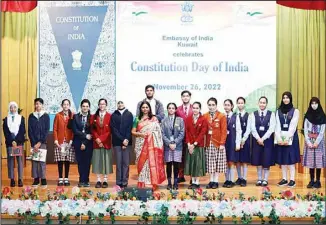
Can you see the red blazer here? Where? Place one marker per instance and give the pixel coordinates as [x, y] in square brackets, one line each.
[60, 129]
[196, 132]
[218, 127]
[103, 133]
[182, 114]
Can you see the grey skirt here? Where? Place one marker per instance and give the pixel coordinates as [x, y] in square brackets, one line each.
[102, 161]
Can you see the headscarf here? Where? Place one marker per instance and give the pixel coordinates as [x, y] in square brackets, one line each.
[316, 117]
[13, 125]
[283, 107]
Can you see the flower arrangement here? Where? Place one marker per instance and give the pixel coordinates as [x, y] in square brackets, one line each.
[186, 207]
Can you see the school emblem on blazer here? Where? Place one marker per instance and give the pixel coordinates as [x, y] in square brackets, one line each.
[76, 57]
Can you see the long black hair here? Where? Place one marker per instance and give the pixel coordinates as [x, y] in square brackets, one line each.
[69, 111]
[141, 114]
[98, 111]
[89, 111]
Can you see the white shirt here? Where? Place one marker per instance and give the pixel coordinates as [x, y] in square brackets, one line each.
[248, 127]
[292, 126]
[152, 102]
[122, 111]
[270, 130]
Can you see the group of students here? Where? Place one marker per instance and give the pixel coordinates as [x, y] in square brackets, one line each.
[191, 143]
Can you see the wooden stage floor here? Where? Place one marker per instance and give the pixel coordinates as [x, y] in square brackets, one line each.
[251, 190]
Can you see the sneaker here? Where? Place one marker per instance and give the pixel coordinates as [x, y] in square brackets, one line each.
[86, 185]
[238, 182]
[43, 182]
[12, 183]
[215, 185]
[80, 184]
[311, 184]
[317, 184]
[20, 183]
[98, 184]
[264, 183]
[210, 185]
[243, 183]
[192, 186]
[259, 182]
[231, 184]
[175, 187]
[291, 184]
[169, 187]
[226, 183]
[197, 186]
[66, 183]
[181, 180]
[105, 184]
[283, 182]
[60, 183]
[36, 182]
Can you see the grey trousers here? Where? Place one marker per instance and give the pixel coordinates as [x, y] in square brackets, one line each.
[122, 164]
[10, 165]
[39, 168]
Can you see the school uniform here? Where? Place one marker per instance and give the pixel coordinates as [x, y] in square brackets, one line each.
[81, 127]
[173, 130]
[14, 130]
[195, 162]
[38, 130]
[287, 124]
[184, 112]
[243, 156]
[233, 138]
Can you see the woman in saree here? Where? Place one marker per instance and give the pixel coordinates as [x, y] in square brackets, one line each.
[148, 148]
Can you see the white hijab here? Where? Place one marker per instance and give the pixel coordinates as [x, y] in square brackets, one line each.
[13, 125]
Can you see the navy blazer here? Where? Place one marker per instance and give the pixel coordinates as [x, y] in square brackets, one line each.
[9, 137]
[121, 126]
[38, 129]
[77, 129]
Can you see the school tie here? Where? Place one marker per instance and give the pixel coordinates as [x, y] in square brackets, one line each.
[13, 118]
[262, 116]
[84, 120]
[38, 115]
[228, 118]
[171, 122]
[314, 129]
[186, 111]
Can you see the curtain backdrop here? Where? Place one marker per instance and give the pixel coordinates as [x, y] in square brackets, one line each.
[18, 62]
[301, 56]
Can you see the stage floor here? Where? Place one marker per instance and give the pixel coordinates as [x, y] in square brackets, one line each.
[251, 190]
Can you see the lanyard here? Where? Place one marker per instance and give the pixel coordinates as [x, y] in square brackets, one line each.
[285, 116]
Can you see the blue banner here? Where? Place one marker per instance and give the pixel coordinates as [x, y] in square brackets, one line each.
[76, 31]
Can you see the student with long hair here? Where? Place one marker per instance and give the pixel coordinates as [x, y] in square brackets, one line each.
[38, 130]
[314, 156]
[82, 142]
[102, 162]
[64, 154]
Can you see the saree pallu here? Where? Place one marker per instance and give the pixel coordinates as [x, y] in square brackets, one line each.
[150, 153]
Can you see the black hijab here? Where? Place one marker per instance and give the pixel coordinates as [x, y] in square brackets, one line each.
[286, 108]
[316, 117]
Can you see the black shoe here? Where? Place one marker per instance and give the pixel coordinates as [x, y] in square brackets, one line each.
[181, 180]
[282, 182]
[66, 183]
[20, 183]
[12, 183]
[226, 183]
[192, 186]
[105, 184]
[60, 183]
[36, 182]
[210, 185]
[317, 184]
[175, 186]
[291, 184]
[259, 182]
[231, 184]
[124, 185]
[86, 184]
[238, 182]
[264, 183]
[44, 183]
[80, 184]
[243, 183]
[98, 184]
[215, 185]
[311, 184]
[169, 187]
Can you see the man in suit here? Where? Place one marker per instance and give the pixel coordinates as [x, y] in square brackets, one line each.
[184, 111]
[156, 105]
